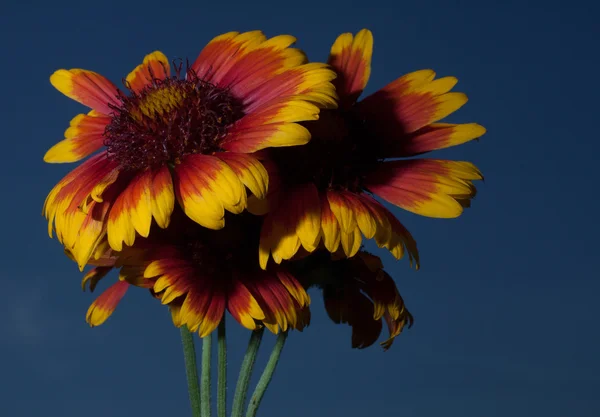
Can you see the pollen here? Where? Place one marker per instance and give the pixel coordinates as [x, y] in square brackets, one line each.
[169, 119]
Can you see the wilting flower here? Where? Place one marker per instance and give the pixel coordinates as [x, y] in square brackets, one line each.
[187, 137]
[199, 273]
[358, 292]
[323, 193]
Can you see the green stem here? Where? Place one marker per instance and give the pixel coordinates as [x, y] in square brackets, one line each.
[205, 376]
[191, 370]
[241, 390]
[265, 378]
[222, 368]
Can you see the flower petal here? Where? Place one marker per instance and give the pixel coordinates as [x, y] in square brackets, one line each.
[131, 213]
[243, 306]
[411, 102]
[249, 170]
[342, 210]
[106, 303]
[309, 82]
[428, 187]
[93, 276]
[162, 197]
[84, 136]
[330, 228]
[257, 137]
[350, 57]
[154, 67]
[86, 87]
[433, 137]
[196, 198]
[222, 52]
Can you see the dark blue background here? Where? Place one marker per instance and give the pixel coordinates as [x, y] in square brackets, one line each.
[505, 303]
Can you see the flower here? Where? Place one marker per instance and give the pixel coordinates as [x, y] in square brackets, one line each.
[187, 137]
[322, 195]
[199, 273]
[358, 292]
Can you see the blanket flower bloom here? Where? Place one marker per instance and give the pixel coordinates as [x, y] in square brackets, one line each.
[199, 273]
[323, 194]
[185, 138]
[358, 292]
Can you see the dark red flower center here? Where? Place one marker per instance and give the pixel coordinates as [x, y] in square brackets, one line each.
[169, 119]
[338, 156]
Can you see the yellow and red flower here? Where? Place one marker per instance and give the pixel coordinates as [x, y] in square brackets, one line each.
[199, 273]
[187, 137]
[358, 292]
[323, 193]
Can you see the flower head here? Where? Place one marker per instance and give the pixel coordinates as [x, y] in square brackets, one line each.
[185, 137]
[358, 292]
[199, 273]
[323, 195]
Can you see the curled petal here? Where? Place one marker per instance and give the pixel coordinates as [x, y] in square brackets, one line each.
[155, 67]
[106, 303]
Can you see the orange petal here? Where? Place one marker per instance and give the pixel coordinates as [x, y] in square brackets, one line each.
[432, 188]
[86, 87]
[257, 137]
[411, 103]
[350, 57]
[84, 136]
[223, 52]
[105, 304]
[154, 67]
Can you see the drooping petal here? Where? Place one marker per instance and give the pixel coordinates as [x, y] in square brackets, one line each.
[411, 103]
[330, 228]
[428, 187]
[390, 233]
[106, 303]
[242, 305]
[295, 222]
[162, 199]
[279, 306]
[196, 198]
[213, 178]
[154, 67]
[84, 136]
[350, 57]
[342, 210]
[132, 212]
[249, 170]
[93, 276]
[433, 137]
[86, 87]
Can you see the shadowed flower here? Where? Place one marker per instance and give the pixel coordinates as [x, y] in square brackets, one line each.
[358, 292]
[187, 137]
[323, 193]
[200, 273]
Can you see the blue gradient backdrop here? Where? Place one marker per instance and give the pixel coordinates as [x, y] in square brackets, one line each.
[506, 301]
